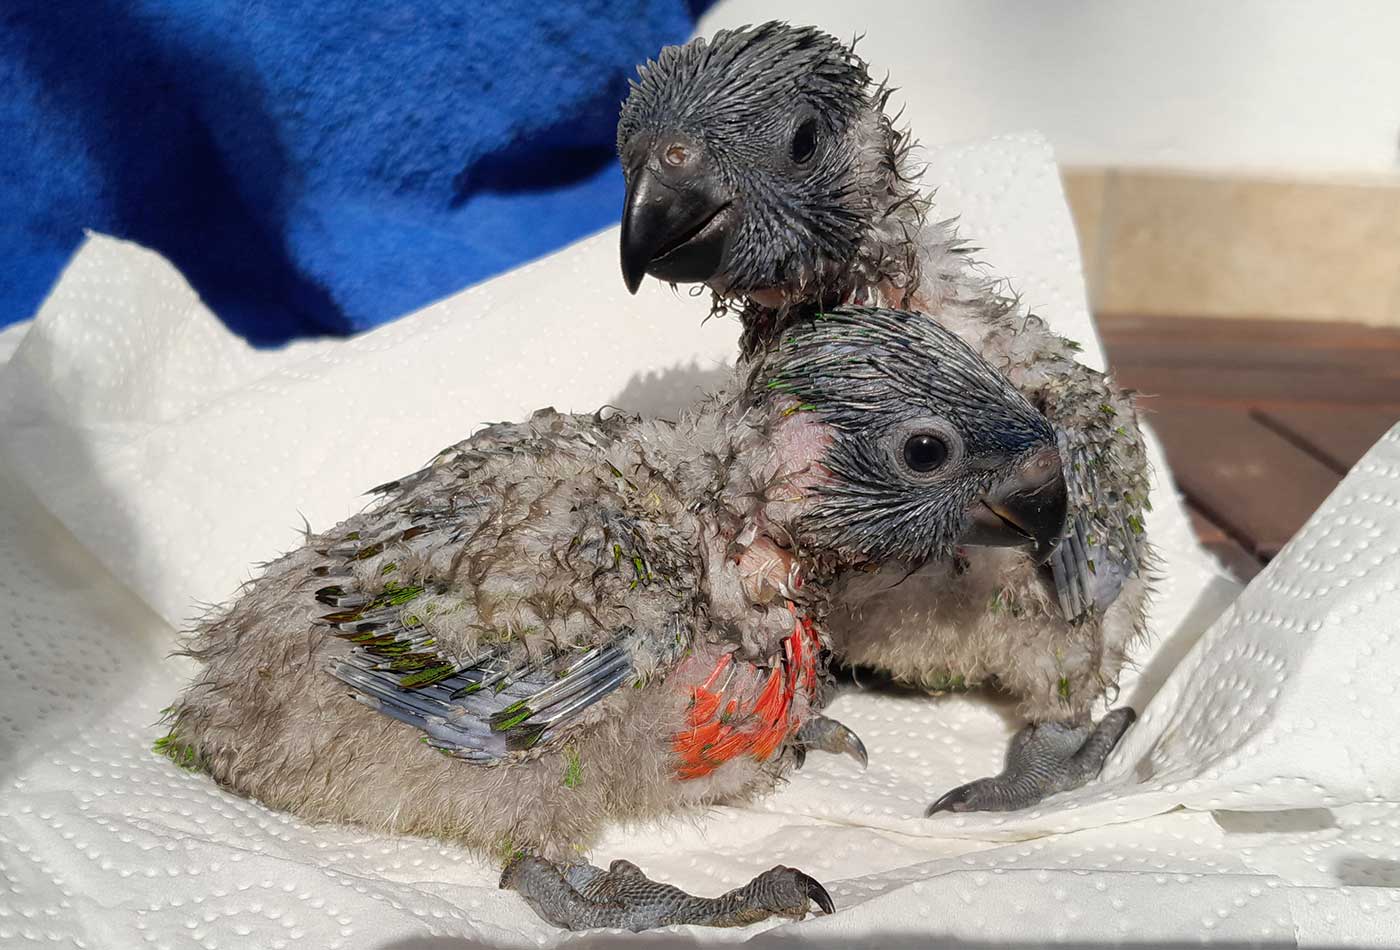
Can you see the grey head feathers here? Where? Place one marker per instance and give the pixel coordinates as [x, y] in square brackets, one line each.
[734, 77]
[775, 140]
[922, 430]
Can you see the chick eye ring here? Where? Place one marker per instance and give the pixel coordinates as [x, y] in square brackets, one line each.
[924, 448]
[804, 141]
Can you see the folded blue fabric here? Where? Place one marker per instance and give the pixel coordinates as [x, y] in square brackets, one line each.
[313, 166]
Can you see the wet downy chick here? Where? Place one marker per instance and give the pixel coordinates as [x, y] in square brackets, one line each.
[762, 163]
[584, 619]
[752, 161]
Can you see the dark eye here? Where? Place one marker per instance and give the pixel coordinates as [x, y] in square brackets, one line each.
[924, 452]
[804, 142]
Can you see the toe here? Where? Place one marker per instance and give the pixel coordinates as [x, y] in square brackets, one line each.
[624, 868]
[790, 892]
[1089, 759]
[520, 867]
[1118, 720]
[817, 893]
[828, 735]
[962, 798]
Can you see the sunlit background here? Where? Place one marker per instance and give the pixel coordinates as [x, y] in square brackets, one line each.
[319, 168]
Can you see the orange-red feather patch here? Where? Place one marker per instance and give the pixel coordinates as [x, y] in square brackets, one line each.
[759, 727]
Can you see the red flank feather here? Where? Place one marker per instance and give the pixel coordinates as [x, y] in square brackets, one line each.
[764, 721]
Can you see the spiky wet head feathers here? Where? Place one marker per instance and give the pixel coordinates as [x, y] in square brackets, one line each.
[735, 78]
[922, 426]
[786, 118]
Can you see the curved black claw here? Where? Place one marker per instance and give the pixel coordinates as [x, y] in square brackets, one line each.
[781, 890]
[817, 893]
[828, 735]
[955, 800]
[856, 749]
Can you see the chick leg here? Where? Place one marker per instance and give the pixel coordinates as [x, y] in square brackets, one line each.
[1044, 758]
[581, 896]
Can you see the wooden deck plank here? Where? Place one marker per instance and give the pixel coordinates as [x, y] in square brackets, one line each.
[1226, 549]
[1338, 436]
[1260, 418]
[1240, 474]
[1249, 335]
[1255, 360]
[1250, 387]
[1186, 352]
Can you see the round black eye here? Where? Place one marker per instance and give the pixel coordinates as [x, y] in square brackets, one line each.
[924, 453]
[804, 142]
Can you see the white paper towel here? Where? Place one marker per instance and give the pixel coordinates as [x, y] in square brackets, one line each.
[173, 456]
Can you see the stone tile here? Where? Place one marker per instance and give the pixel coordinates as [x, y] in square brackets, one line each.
[1084, 190]
[1391, 316]
[1212, 246]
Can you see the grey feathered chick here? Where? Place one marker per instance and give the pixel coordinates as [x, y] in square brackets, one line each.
[583, 619]
[761, 162]
[778, 111]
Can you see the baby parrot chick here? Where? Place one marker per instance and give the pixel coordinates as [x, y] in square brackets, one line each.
[762, 163]
[585, 619]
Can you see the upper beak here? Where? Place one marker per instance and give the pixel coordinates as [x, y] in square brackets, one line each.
[678, 219]
[1027, 510]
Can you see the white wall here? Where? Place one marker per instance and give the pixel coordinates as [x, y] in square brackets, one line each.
[1309, 88]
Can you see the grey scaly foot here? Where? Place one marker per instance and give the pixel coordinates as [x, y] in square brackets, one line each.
[1044, 758]
[828, 735]
[581, 896]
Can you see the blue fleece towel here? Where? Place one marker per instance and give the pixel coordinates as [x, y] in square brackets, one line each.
[313, 166]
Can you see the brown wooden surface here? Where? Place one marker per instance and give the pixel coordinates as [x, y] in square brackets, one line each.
[1260, 419]
[1226, 549]
[1337, 438]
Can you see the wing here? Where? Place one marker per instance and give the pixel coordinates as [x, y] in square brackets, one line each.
[448, 594]
[483, 708]
[1103, 545]
[505, 696]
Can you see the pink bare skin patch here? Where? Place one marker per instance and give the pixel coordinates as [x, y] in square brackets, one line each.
[800, 443]
[769, 572]
[767, 565]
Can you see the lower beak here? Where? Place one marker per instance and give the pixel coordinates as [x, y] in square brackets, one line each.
[1027, 510]
[676, 227]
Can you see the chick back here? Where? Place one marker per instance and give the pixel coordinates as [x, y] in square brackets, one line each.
[529, 545]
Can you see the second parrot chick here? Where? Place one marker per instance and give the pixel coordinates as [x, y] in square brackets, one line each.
[584, 619]
[762, 162]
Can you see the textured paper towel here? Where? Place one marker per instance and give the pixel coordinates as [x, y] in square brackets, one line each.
[172, 457]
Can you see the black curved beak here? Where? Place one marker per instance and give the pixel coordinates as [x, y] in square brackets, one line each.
[677, 223]
[1027, 510]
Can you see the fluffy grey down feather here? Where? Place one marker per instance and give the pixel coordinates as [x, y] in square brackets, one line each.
[503, 647]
